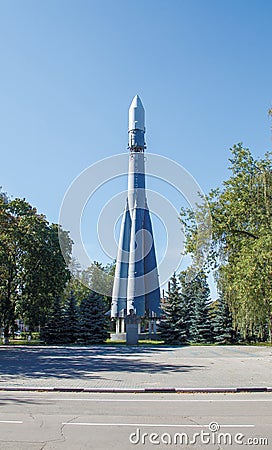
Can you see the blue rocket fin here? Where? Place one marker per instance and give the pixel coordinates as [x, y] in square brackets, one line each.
[152, 286]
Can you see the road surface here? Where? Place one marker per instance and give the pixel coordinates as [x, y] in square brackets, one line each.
[81, 421]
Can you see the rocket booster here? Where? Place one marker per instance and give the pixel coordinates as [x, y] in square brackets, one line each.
[136, 282]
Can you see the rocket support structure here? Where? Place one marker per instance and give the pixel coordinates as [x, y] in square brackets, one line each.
[136, 288]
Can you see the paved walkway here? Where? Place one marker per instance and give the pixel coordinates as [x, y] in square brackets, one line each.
[121, 367]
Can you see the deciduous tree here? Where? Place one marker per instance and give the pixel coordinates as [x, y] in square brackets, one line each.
[241, 247]
[33, 271]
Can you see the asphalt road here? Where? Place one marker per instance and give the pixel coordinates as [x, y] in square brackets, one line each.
[53, 421]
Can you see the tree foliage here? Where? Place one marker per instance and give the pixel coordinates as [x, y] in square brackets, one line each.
[96, 278]
[53, 332]
[93, 322]
[197, 293]
[186, 312]
[173, 326]
[222, 322]
[32, 269]
[72, 319]
[241, 249]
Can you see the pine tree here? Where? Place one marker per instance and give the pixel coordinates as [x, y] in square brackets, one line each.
[54, 330]
[172, 326]
[223, 331]
[188, 303]
[72, 320]
[93, 322]
[200, 329]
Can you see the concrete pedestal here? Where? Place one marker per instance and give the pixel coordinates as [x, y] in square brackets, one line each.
[118, 336]
[129, 329]
[133, 328]
[132, 335]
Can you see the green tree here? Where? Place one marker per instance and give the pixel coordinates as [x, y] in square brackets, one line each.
[223, 332]
[100, 278]
[97, 278]
[72, 319]
[200, 326]
[173, 326]
[188, 300]
[77, 282]
[32, 267]
[241, 249]
[54, 330]
[93, 322]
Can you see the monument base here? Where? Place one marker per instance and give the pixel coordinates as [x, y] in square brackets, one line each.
[118, 336]
[128, 329]
[115, 337]
[132, 335]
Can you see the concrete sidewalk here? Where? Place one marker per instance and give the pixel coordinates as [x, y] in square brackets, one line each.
[107, 368]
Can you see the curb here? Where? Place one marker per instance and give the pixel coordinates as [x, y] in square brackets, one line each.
[139, 390]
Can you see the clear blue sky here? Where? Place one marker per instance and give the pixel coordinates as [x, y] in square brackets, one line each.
[69, 70]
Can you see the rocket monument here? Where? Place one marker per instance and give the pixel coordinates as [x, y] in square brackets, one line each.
[136, 291]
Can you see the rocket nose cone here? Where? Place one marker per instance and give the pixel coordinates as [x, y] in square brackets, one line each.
[136, 115]
[136, 102]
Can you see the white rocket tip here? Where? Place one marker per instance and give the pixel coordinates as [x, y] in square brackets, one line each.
[136, 115]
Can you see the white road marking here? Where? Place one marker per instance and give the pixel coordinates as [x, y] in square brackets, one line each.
[94, 424]
[11, 421]
[117, 400]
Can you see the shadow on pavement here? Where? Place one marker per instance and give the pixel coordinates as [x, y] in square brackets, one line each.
[71, 362]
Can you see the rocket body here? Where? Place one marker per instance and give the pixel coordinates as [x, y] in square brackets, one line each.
[136, 281]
